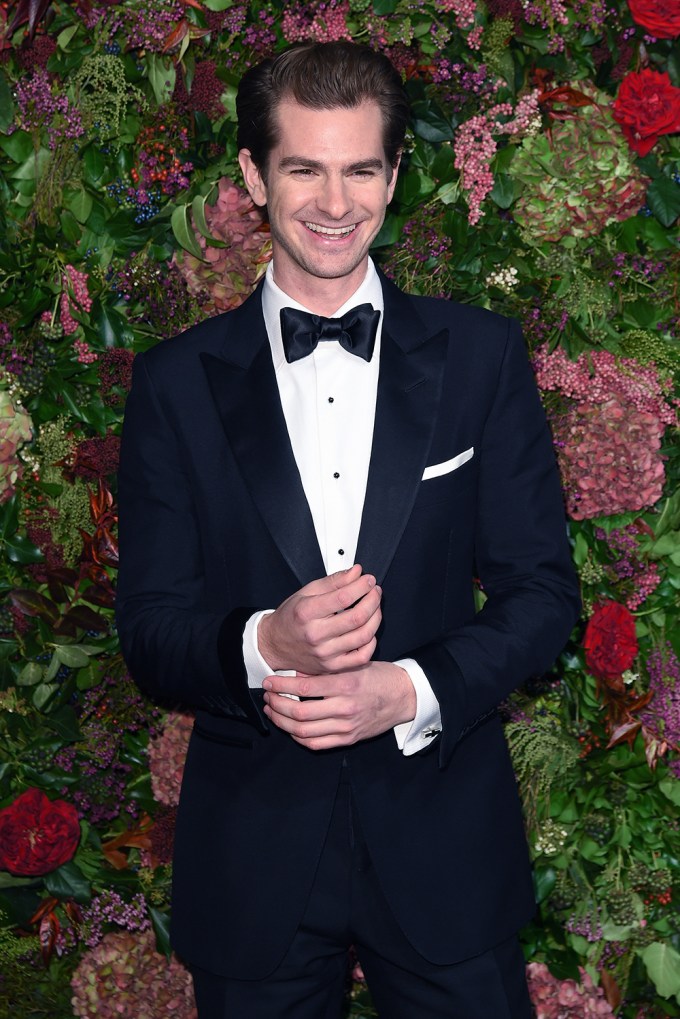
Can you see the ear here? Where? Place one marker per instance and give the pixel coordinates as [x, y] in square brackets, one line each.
[252, 178]
[393, 181]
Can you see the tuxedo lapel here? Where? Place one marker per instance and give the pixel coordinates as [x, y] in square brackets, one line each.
[409, 389]
[243, 386]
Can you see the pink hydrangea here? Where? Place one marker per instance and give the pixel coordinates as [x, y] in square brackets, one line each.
[609, 436]
[565, 999]
[124, 975]
[167, 754]
[16, 429]
[226, 276]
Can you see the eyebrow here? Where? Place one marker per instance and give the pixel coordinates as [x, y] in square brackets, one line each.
[314, 164]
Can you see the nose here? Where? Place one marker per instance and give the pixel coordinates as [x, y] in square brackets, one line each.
[334, 197]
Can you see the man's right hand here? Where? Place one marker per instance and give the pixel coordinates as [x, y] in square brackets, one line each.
[316, 631]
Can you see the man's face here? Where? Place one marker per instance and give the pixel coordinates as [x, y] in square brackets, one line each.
[327, 188]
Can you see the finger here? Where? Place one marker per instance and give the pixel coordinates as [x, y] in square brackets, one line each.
[338, 729]
[335, 601]
[324, 626]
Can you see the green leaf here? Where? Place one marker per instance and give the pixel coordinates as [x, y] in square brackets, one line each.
[670, 787]
[70, 227]
[544, 882]
[663, 198]
[34, 166]
[217, 5]
[65, 722]
[31, 674]
[184, 233]
[161, 927]
[43, 693]
[65, 36]
[71, 655]
[81, 205]
[663, 966]
[504, 190]
[68, 882]
[384, 6]
[94, 164]
[198, 213]
[448, 193]
[162, 77]
[6, 104]
[18, 146]
[20, 550]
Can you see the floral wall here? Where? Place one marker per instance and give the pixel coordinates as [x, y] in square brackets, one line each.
[541, 179]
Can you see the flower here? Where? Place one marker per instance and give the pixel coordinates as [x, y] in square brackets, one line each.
[660, 17]
[16, 429]
[579, 178]
[37, 834]
[610, 642]
[167, 754]
[227, 275]
[565, 999]
[647, 106]
[124, 975]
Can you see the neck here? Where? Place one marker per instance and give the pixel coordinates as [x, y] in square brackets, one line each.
[319, 295]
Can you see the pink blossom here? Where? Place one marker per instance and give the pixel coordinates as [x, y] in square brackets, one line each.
[167, 754]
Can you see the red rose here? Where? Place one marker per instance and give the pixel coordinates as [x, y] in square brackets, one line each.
[610, 642]
[37, 834]
[661, 18]
[647, 106]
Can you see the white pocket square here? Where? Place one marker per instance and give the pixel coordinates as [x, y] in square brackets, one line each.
[436, 470]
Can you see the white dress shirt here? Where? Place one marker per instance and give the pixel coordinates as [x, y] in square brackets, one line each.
[328, 401]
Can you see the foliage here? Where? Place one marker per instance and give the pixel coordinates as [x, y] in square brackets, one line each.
[541, 180]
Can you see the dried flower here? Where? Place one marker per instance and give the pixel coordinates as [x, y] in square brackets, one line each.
[16, 429]
[167, 754]
[124, 975]
[227, 275]
[565, 999]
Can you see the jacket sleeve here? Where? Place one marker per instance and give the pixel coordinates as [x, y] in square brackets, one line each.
[178, 647]
[522, 559]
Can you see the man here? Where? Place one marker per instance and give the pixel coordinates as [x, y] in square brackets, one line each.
[300, 528]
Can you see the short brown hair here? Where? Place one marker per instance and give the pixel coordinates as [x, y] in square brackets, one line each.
[320, 76]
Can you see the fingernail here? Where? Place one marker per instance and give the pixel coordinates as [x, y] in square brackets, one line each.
[267, 684]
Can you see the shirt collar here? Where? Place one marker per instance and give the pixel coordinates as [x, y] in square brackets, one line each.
[274, 299]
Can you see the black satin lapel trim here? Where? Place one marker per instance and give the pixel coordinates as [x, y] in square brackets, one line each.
[409, 390]
[250, 409]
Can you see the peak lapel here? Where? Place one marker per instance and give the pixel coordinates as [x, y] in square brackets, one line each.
[409, 391]
[243, 386]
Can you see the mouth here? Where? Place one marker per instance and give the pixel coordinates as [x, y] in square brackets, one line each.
[329, 231]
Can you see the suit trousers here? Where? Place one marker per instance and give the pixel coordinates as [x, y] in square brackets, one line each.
[346, 907]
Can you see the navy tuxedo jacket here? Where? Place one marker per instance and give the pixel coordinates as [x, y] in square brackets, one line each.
[214, 525]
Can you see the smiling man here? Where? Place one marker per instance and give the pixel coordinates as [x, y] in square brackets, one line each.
[308, 486]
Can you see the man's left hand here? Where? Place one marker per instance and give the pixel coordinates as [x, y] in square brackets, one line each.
[348, 706]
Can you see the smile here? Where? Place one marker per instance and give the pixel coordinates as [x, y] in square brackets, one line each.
[328, 231]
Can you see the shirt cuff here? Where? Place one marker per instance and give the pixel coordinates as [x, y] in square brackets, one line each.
[257, 669]
[427, 725]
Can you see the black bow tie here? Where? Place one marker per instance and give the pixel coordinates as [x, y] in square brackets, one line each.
[355, 331]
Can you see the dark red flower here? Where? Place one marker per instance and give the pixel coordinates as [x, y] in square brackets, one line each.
[661, 18]
[37, 834]
[647, 106]
[610, 642]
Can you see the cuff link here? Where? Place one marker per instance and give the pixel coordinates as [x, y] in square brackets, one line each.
[430, 732]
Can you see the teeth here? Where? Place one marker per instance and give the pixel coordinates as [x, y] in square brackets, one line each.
[339, 231]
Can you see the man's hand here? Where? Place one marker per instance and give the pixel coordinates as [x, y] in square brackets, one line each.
[315, 631]
[355, 705]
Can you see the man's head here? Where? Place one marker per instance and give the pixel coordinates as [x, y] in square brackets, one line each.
[319, 76]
